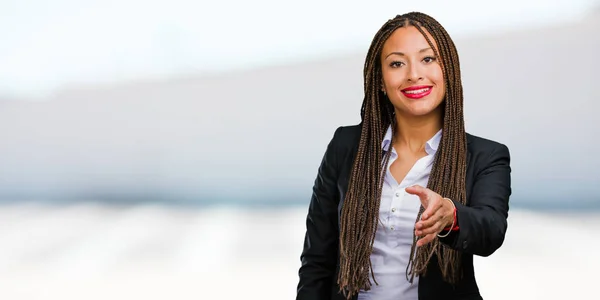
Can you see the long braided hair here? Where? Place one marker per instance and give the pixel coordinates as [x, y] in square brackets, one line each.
[361, 207]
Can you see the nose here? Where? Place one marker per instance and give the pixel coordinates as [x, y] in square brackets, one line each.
[414, 74]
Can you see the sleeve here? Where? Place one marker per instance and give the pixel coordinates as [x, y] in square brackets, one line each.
[483, 222]
[319, 254]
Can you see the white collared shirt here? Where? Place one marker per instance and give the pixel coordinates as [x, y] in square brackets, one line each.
[398, 212]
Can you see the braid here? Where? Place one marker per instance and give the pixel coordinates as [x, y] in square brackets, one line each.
[361, 207]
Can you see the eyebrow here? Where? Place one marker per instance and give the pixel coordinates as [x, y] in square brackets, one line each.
[402, 54]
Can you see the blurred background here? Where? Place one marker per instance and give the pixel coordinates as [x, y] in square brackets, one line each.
[167, 149]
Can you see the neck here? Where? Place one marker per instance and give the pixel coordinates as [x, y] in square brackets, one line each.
[413, 132]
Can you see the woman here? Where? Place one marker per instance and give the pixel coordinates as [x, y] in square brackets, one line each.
[404, 200]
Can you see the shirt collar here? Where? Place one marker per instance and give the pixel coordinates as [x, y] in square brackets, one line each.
[430, 147]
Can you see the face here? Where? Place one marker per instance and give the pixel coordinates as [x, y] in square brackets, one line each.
[412, 76]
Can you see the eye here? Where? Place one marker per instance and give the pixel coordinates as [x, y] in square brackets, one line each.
[429, 59]
[396, 64]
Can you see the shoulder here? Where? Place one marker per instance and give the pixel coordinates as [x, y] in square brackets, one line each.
[346, 137]
[485, 148]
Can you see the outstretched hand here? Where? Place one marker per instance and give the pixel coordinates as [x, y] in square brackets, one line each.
[439, 213]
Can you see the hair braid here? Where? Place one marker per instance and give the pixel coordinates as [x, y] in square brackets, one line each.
[361, 207]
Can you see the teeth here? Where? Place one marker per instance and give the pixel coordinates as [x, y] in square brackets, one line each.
[417, 91]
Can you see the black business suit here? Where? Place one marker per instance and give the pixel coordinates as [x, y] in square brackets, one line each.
[482, 221]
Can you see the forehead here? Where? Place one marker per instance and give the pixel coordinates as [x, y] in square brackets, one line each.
[408, 40]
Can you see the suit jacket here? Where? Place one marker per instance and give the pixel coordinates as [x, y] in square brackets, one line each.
[482, 221]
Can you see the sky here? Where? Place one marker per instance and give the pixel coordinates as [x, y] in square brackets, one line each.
[48, 45]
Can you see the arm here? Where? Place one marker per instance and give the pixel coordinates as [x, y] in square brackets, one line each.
[483, 222]
[319, 254]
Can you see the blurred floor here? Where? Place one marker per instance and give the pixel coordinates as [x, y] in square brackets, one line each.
[91, 251]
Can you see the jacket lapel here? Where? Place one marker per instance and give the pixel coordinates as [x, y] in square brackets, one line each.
[347, 166]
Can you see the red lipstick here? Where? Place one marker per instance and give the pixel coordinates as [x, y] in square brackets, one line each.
[417, 91]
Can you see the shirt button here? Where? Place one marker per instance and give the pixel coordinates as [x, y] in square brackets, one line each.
[397, 194]
[392, 228]
[393, 209]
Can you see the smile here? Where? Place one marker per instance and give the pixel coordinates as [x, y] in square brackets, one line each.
[416, 92]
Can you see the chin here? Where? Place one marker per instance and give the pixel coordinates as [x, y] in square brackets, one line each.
[421, 110]
[420, 113]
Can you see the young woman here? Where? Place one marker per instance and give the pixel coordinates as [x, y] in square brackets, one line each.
[403, 200]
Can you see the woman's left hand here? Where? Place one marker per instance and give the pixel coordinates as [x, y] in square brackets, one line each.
[438, 214]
